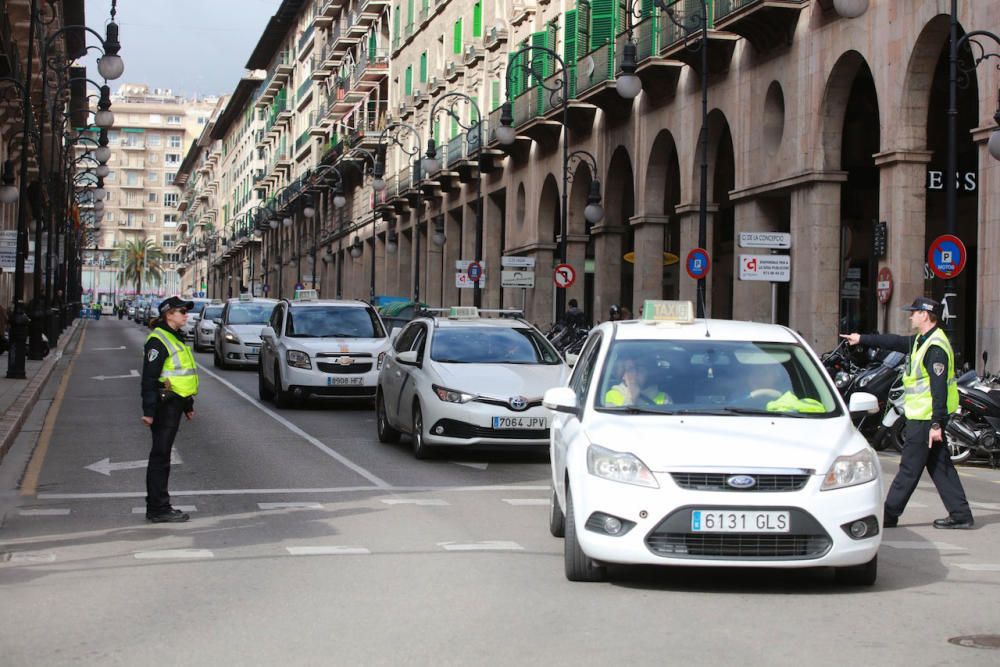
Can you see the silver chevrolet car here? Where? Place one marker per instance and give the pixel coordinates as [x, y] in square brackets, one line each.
[237, 339]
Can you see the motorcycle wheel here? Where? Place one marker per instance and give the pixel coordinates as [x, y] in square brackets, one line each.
[894, 436]
[958, 451]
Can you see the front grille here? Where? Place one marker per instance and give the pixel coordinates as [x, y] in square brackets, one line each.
[505, 403]
[738, 545]
[350, 369]
[711, 481]
[456, 429]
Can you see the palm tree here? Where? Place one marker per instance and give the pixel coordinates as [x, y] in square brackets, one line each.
[141, 260]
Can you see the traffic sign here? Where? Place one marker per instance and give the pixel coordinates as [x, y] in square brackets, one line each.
[771, 268]
[564, 275]
[883, 287]
[517, 262]
[463, 273]
[771, 240]
[946, 256]
[517, 279]
[475, 271]
[299, 286]
[265, 288]
[697, 263]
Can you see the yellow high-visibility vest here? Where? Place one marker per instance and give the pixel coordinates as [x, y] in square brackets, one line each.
[179, 366]
[918, 403]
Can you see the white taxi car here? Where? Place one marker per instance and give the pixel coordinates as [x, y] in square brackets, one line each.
[237, 339]
[467, 380]
[710, 443]
[204, 330]
[324, 348]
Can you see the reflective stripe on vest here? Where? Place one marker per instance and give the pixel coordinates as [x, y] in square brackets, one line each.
[179, 367]
[918, 403]
[615, 397]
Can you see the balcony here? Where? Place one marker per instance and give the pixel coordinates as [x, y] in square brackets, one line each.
[766, 24]
[132, 164]
[136, 184]
[306, 40]
[303, 143]
[328, 10]
[451, 71]
[132, 205]
[521, 11]
[276, 78]
[133, 146]
[676, 40]
[371, 71]
[303, 93]
[495, 38]
[472, 55]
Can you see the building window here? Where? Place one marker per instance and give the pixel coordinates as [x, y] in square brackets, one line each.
[111, 177]
[170, 199]
[155, 118]
[151, 218]
[109, 217]
[172, 158]
[152, 176]
[173, 120]
[174, 141]
[169, 220]
[152, 197]
[153, 140]
[168, 178]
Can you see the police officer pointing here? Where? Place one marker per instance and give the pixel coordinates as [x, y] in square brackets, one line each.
[169, 384]
[930, 396]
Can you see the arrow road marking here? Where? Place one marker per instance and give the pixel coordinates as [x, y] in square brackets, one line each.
[131, 374]
[106, 467]
[488, 545]
[470, 464]
[103, 349]
[327, 551]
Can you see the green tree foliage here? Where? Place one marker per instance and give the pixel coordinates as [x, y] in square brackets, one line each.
[142, 262]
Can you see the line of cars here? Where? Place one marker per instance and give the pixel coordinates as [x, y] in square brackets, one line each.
[673, 441]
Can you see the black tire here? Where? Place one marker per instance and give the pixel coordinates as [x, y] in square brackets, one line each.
[894, 438]
[217, 360]
[386, 433]
[579, 566]
[283, 400]
[858, 575]
[421, 450]
[557, 520]
[264, 391]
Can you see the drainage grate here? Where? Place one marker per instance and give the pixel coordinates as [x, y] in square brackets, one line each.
[977, 641]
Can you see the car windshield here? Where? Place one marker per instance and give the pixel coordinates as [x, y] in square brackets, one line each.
[713, 378]
[250, 313]
[212, 312]
[491, 345]
[333, 322]
[199, 306]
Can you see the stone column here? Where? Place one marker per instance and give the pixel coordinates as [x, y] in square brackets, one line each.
[433, 270]
[576, 256]
[751, 298]
[405, 275]
[380, 266]
[903, 205]
[988, 256]
[607, 268]
[452, 253]
[541, 299]
[647, 281]
[814, 290]
[492, 232]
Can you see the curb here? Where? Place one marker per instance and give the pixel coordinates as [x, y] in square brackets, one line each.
[14, 417]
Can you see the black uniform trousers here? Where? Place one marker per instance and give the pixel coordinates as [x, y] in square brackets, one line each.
[164, 429]
[917, 456]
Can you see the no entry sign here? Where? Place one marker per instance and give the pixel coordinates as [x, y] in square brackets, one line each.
[884, 285]
[697, 263]
[946, 256]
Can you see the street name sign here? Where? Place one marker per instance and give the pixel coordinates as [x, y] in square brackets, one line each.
[517, 262]
[517, 279]
[771, 240]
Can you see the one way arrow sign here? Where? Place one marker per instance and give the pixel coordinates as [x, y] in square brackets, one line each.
[131, 374]
[106, 467]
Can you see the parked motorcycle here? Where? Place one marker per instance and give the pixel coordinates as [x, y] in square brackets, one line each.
[876, 373]
[974, 431]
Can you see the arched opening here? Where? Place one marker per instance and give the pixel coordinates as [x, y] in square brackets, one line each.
[549, 215]
[663, 194]
[722, 239]
[620, 207]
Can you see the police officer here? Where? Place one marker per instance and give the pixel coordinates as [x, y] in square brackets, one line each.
[169, 383]
[930, 396]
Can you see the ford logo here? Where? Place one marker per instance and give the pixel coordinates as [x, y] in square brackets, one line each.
[518, 403]
[741, 482]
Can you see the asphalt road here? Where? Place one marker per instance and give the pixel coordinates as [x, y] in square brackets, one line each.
[311, 543]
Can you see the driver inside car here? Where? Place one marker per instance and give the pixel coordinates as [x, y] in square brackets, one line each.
[635, 388]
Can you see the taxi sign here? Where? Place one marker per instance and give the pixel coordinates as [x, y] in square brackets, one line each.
[246, 296]
[679, 312]
[305, 295]
[463, 312]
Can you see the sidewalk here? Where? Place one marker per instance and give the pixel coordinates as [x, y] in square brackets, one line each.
[18, 397]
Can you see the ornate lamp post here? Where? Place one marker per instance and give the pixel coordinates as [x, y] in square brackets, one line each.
[394, 133]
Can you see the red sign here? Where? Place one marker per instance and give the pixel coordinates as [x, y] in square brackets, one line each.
[884, 286]
[564, 275]
[946, 256]
[697, 263]
[475, 271]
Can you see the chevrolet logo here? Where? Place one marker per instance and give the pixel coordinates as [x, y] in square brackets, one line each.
[345, 361]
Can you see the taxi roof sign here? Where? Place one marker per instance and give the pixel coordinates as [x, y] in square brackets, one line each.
[678, 312]
[463, 313]
[305, 295]
[246, 296]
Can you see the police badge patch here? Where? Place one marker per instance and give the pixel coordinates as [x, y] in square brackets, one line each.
[154, 353]
[938, 368]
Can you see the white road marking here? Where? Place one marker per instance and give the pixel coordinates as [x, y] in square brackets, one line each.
[469, 464]
[979, 567]
[44, 512]
[106, 467]
[29, 557]
[374, 479]
[488, 545]
[993, 507]
[174, 554]
[102, 349]
[916, 504]
[183, 508]
[290, 506]
[414, 501]
[930, 546]
[133, 373]
[327, 551]
[333, 489]
[520, 502]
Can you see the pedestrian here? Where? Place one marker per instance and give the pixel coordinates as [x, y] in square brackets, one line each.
[930, 396]
[97, 310]
[615, 313]
[169, 384]
[574, 317]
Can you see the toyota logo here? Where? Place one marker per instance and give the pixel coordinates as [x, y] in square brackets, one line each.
[741, 482]
[518, 403]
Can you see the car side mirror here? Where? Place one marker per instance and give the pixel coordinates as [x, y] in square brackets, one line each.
[408, 358]
[267, 332]
[863, 402]
[561, 399]
[394, 334]
[217, 320]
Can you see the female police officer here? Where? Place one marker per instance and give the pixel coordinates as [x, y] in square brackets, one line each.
[169, 383]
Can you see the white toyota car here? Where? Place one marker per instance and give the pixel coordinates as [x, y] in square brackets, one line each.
[709, 443]
[237, 337]
[467, 380]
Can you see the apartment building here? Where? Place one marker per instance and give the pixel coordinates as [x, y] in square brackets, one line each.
[152, 134]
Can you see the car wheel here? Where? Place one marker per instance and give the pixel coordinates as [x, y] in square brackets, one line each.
[264, 392]
[282, 399]
[557, 520]
[386, 433]
[579, 566]
[858, 575]
[420, 449]
[216, 359]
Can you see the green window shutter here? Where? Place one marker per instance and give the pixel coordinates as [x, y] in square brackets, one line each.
[409, 12]
[477, 19]
[457, 37]
[425, 4]
[372, 45]
[569, 49]
[423, 67]
[454, 128]
[603, 16]
[583, 28]
[648, 7]
[495, 101]
[395, 24]
[408, 81]
[539, 59]
[437, 132]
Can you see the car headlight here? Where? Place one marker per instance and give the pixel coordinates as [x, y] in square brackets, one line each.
[452, 395]
[381, 358]
[619, 467]
[206, 330]
[841, 379]
[232, 338]
[298, 359]
[851, 470]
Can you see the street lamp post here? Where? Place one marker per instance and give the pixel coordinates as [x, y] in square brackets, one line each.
[393, 134]
[431, 164]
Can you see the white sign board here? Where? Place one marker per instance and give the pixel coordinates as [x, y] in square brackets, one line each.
[773, 240]
[8, 259]
[462, 279]
[8, 238]
[514, 262]
[517, 279]
[771, 268]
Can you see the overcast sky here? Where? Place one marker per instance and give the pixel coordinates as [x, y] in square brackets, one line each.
[190, 46]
